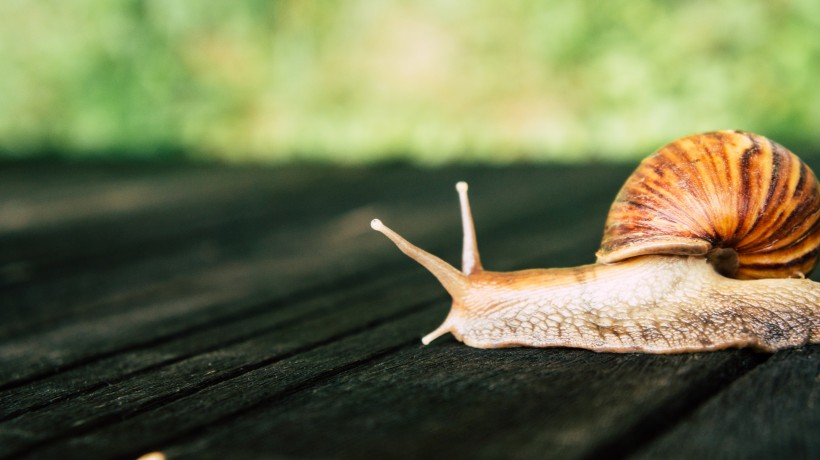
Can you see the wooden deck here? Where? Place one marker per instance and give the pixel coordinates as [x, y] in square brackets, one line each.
[252, 313]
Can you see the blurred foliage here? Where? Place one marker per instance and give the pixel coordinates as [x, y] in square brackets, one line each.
[432, 81]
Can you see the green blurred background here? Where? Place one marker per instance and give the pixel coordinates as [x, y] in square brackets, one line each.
[429, 82]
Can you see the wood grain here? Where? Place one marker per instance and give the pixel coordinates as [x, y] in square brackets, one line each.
[772, 412]
[254, 314]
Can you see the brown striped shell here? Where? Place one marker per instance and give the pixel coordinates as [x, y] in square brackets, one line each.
[744, 201]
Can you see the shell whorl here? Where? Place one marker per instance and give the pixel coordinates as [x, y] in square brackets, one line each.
[726, 192]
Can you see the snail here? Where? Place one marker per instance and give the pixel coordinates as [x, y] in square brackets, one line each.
[706, 246]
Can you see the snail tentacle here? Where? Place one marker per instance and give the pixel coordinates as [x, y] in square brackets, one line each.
[453, 280]
[470, 260]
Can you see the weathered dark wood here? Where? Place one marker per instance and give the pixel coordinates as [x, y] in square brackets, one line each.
[299, 258]
[211, 313]
[459, 402]
[772, 412]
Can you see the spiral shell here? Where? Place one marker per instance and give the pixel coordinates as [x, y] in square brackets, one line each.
[746, 202]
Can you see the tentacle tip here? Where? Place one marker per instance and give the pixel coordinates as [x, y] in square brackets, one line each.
[376, 224]
[441, 330]
[461, 187]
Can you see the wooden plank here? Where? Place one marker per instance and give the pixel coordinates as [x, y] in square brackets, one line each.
[198, 229]
[58, 197]
[455, 401]
[163, 308]
[772, 412]
[119, 255]
[116, 366]
[128, 363]
[52, 265]
[389, 397]
[247, 346]
[90, 344]
[219, 324]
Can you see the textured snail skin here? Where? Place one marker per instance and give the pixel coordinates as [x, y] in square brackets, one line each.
[664, 296]
[656, 304]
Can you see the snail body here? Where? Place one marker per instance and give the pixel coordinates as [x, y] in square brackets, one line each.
[706, 246]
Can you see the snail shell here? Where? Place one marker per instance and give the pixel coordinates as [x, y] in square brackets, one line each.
[745, 201]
